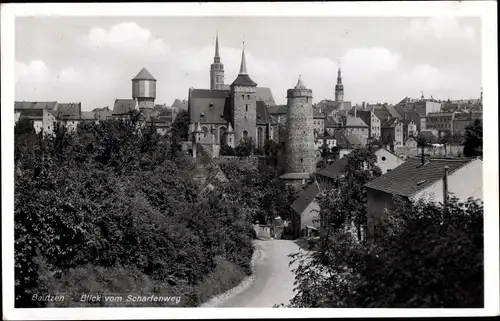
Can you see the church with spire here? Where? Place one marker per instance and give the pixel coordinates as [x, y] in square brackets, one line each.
[225, 114]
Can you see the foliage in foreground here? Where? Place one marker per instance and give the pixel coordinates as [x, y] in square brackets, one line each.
[111, 198]
[425, 260]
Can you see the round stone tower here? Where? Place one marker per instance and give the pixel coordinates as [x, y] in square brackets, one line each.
[299, 148]
[144, 89]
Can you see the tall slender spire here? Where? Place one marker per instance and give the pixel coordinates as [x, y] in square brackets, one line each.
[217, 45]
[300, 84]
[243, 67]
[339, 76]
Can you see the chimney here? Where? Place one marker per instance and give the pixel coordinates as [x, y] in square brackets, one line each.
[445, 189]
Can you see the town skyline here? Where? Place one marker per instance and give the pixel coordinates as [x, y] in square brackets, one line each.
[92, 60]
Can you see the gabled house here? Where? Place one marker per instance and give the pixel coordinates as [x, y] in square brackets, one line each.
[373, 122]
[123, 107]
[392, 132]
[69, 114]
[357, 127]
[419, 178]
[42, 114]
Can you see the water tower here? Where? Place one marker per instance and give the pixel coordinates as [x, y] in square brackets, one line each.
[144, 89]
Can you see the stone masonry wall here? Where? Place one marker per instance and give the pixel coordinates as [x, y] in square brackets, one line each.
[242, 119]
[299, 153]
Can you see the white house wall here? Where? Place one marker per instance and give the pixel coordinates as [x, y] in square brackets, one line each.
[464, 183]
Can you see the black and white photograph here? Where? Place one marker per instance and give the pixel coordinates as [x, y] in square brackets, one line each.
[249, 155]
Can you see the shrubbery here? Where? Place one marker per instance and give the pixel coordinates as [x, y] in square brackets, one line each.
[111, 199]
[427, 258]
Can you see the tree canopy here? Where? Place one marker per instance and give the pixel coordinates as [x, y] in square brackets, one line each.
[473, 140]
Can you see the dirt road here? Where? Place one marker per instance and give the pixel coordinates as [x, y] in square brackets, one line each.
[272, 279]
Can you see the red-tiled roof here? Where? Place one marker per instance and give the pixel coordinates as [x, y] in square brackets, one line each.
[411, 177]
[305, 198]
[355, 122]
[144, 75]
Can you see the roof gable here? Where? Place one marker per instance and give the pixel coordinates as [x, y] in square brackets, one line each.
[20, 105]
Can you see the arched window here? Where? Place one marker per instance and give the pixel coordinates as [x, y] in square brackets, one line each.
[260, 136]
[245, 133]
[222, 131]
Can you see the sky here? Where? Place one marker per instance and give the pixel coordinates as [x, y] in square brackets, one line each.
[383, 59]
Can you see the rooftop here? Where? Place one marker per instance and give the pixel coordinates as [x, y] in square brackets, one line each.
[144, 75]
[411, 177]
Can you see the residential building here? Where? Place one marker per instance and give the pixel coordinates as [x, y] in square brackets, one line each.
[440, 121]
[416, 179]
[373, 122]
[464, 119]
[392, 132]
[69, 114]
[356, 126]
[306, 207]
[42, 114]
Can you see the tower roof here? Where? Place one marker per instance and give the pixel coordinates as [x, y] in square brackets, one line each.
[300, 84]
[217, 46]
[243, 78]
[243, 66]
[144, 75]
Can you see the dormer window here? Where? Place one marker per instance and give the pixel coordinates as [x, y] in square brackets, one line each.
[202, 115]
[211, 104]
[221, 115]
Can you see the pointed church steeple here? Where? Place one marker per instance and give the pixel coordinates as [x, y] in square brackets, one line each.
[217, 69]
[243, 66]
[217, 57]
[339, 87]
[243, 78]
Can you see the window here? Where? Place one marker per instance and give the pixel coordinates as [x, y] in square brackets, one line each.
[245, 133]
[301, 160]
[246, 107]
[383, 158]
[242, 97]
[248, 97]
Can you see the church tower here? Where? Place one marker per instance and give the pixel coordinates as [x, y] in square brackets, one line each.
[299, 148]
[339, 88]
[243, 104]
[216, 70]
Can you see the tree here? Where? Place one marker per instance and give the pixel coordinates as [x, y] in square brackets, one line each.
[227, 150]
[271, 148]
[246, 147]
[473, 144]
[344, 206]
[180, 126]
[425, 260]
